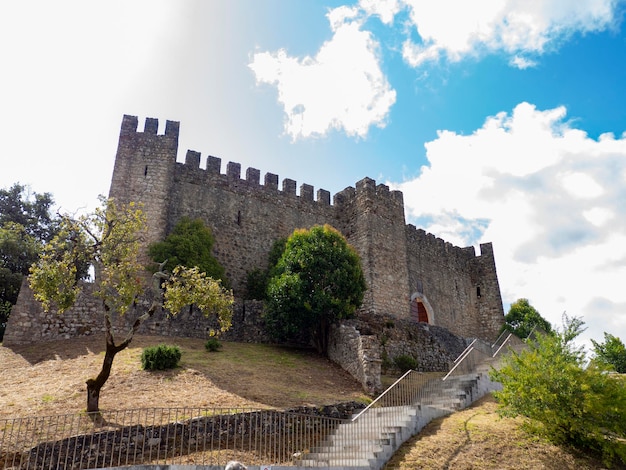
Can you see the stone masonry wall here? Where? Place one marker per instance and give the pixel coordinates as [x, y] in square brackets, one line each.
[457, 284]
[28, 322]
[246, 217]
[144, 172]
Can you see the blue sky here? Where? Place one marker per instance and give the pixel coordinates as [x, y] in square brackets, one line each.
[500, 120]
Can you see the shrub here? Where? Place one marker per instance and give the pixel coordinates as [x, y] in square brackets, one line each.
[583, 407]
[212, 345]
[160, 357]
[404, 362]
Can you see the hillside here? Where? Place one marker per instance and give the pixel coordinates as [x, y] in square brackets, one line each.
[49, 379]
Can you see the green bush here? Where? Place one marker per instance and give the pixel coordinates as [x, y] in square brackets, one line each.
[404, 362]
[160, 357]
[569, 403]
[212, 345]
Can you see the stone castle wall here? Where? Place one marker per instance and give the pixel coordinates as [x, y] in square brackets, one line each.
[247, 215]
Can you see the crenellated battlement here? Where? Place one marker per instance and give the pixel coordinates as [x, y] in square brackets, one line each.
[232, 178]
[151, 126]
[443, 248]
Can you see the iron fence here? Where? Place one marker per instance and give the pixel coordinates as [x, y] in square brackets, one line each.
[160, 436]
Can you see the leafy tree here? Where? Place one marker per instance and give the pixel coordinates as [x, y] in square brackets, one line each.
[568, 403]
[189, 244]
[611, 352]
[18, 250]
[523, 318]
[31, 211]
[317, 280]
[109, 238]
[25, 224]
[258, 279]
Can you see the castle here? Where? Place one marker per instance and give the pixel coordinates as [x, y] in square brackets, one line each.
[437, 294]
[409, 273]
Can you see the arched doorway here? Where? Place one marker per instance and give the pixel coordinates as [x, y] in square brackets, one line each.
[421, 311]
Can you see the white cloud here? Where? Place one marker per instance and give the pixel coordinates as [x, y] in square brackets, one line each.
[460, 27]
[385, 9]
[522, 63]
[548, 196]
[581, 185]
[342, 87]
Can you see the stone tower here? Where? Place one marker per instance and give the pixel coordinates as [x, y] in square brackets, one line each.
[144, 172]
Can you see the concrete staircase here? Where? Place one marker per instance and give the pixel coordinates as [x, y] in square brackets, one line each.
[370, 440]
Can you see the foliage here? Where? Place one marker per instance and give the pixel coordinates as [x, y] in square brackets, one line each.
[404, 362]
[31, 211]
[611, 353]
[523, 318]
[256, 284]
[258, 279]
[109, 239]
[317, 280]
[190, 286]
[160, 357]
[25, 224]
[190, 244]
[568, 403]
[212, 345]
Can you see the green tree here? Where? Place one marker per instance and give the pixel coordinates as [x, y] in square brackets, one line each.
[566, 402]
[190, 244]
[523, 318]
[611, 352]
[258, 279]
[25, 224]
[18, 250]
[109, 238]
[31, 211]
[317, 280]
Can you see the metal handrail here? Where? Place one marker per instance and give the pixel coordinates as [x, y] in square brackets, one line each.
[503, 344]
[466, 350]
[461, 359]
[504, 332]
[380, 397]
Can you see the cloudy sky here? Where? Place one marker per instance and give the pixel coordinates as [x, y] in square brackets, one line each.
[500, 120]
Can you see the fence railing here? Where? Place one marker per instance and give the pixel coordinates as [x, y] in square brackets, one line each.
[160, 436]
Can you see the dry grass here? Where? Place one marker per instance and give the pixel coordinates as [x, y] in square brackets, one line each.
[477, 438]
[50, 379]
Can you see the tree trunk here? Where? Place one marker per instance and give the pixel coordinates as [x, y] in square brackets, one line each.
[320, 336]
[95, 385]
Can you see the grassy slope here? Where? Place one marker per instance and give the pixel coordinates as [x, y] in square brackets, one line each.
[49, 379]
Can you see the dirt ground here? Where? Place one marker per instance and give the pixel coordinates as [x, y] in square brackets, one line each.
[49, 378]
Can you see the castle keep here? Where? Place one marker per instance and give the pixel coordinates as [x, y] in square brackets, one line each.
[409, 273]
